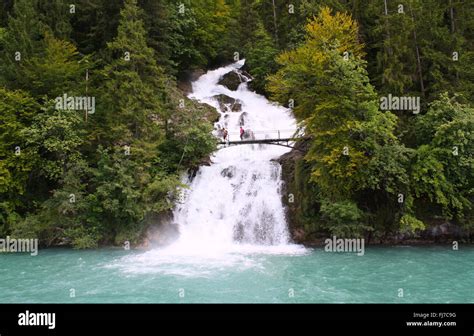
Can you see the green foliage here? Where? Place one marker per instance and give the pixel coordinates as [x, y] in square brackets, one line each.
[55, 14]
[94, 24]
[16, 113]
[158, 20]
[261, 58]
[201, 34]
[67, 179]
[81, 238]
[134, 88]
[56, 136]
[443, 167]
[187, 146]
[358, 163]
[409, 223]
[395, 58]
[23, 39]
[336, 104]
[56, 70]
[344, 219]
[34, 59]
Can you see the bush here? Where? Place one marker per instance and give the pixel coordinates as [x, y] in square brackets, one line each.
[409, 223]
[344, 219]
[82, 238]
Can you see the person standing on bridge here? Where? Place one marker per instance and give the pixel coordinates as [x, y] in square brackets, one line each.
[224, 134]
[241, 133]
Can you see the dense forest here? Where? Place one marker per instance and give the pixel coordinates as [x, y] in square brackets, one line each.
[85, 177]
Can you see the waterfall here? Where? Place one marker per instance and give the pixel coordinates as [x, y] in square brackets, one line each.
[237, 200]
[232, 208]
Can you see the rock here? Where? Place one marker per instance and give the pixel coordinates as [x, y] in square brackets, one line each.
[195, 74]
[231, 80]
[444, 232]
[237, 107]
[161, 230]
[248, 135]
[243, 118]
[211, 113]
[185, 86]
[224, 101]
[228, 104]
[205, 161]
[296, 183]
[298, 234]
[246, 74]
[184, 83]
[192, 171]
[239, 232]
[228, 172]
[251, 87]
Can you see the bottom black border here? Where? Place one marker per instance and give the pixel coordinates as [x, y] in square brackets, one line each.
[159, 318]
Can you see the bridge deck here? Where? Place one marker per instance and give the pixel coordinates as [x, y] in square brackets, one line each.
[259, 141]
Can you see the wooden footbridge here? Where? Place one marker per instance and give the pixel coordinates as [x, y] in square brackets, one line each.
[288, 141]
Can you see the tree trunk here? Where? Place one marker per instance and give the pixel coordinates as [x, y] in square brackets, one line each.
[453, 28]
[275, 27]
[389, 49]
[418, 59]
[451, 15]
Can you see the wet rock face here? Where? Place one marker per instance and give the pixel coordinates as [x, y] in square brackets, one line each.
[223, 100]
[247, 75]
[184, 83]
[243, 118]
[248, 135]
[444, 232]
[231, 80]
[161, 231]
[228, 172]
[237, 107]
[228, 104]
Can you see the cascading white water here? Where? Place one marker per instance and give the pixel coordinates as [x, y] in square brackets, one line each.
[237, 200]
[233, 207]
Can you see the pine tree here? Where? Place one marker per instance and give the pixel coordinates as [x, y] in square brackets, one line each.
[56, 15]
[134, 88]
[23, 40]
[248, 22]
[57, 70]
[94, 24]
[158, 21]
[395, 66]
[5, 8]
[260, 57]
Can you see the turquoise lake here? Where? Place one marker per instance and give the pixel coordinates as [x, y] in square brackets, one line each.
[425, 274]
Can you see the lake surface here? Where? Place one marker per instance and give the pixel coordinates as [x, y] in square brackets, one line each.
[426, 274]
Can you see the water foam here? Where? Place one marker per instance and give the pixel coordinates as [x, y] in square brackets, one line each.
[233, 209]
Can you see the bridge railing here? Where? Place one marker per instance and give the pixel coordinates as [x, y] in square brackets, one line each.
[264, 134]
